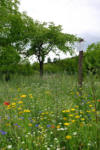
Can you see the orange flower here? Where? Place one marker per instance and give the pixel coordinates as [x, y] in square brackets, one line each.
[53, 126]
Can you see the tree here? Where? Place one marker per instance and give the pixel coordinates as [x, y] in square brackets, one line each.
[9, 58]
[92, 57]
[14, 30]
[47, 38]
[12, 35]
[8, 9]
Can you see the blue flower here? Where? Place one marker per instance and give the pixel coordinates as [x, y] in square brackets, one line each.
[3, 132]
[48, 125]
[36, 125]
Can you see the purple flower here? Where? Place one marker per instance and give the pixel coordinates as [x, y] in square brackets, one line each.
[3, 132]
[17, 125]
[36, 125]
[48, 125]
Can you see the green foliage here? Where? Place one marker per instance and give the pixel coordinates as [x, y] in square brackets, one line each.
[92, 57]
[48, 39]
[9, 58]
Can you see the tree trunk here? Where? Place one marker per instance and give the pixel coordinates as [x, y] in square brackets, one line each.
[41, 68]
[7, 76]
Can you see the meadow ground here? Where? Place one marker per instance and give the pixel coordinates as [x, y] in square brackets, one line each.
[49, 113]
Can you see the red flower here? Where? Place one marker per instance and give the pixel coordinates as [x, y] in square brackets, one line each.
[98, 100]
[6, 103]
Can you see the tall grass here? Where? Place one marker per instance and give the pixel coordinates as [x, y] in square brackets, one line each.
[49, 113]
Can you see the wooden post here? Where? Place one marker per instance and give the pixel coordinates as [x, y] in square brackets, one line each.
[80, 69]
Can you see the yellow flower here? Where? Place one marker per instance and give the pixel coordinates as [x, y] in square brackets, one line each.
[26, 110]
[73, 121]
[66, 111]
[77, 93]
[8, 124]
[76, 106]
[70, 115]
[20, 112]
[65, 118]
[73, 109]
[20, 102]
[77, 116]
[82, 119]
[81, 124]
[9, 107]
[90, 105]
[68, 137]
[23, 96]
[93, 110]
[66, 124]
[63, 111]
[58, 126]
[88, 111]
[30, 124]
[13, 104]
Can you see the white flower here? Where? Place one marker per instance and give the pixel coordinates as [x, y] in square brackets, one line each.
[58, 149]
[28, 133]
[9, 146]
[23, 142]
[55, 139]
[74, 133]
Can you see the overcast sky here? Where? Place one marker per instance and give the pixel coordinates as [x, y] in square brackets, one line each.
[80, 17]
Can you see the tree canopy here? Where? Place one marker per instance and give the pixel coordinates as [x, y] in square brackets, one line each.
[47, 38]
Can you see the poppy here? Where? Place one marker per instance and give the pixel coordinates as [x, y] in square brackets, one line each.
[6, 103]
[98, 100]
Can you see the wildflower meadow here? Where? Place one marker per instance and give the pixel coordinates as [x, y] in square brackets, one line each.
[49, 113]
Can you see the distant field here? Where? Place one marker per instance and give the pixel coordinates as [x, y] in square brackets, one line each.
[49, 113]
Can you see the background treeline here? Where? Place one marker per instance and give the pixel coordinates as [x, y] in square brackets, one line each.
[91, 62]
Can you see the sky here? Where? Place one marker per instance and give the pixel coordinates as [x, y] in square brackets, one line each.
[79, 17]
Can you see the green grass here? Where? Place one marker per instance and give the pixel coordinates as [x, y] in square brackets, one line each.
[51, 114]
